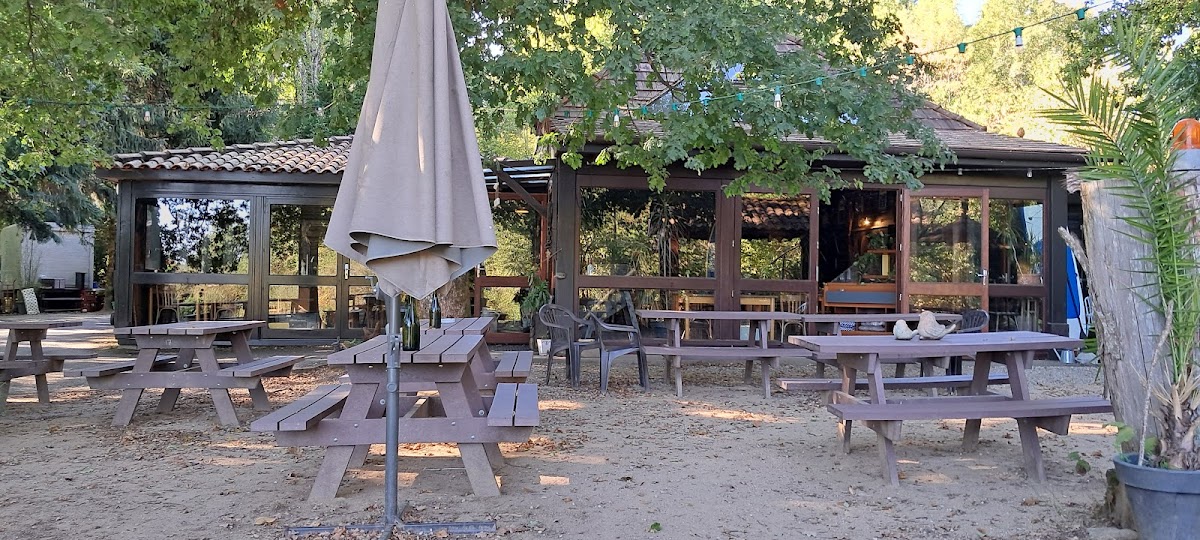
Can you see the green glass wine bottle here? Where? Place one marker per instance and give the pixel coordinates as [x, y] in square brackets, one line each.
[412, 327]
[435, 312]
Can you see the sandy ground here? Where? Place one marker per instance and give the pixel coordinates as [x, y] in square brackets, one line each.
[723, 462]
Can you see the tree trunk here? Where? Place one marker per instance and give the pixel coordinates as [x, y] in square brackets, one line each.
[455, 297]
[1119, 277]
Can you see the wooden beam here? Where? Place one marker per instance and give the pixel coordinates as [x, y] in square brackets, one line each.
[502, 175]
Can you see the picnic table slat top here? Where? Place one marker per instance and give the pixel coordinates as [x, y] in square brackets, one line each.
[951, 345]
[189, 328]
[719, 315]
[874, 317]
[37, 325]
[787, 315]
[445, 349]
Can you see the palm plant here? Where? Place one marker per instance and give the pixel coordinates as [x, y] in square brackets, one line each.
[1126, 129]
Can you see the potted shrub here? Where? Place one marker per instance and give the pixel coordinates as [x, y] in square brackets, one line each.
[535, 297]
[1134, 145]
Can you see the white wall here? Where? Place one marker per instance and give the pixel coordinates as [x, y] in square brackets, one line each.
[52, 260]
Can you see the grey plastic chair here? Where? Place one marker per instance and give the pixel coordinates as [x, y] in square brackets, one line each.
[616, 340]
[973, 322]
[567, 336]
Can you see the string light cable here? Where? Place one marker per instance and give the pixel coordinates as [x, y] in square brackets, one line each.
[776, 91]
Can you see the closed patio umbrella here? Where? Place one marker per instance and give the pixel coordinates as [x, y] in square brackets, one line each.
[412, 205]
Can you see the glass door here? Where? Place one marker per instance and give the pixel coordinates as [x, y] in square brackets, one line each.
[305, 278]
[945, 258]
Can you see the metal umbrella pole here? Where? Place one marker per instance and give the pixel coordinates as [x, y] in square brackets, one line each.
[391, 509]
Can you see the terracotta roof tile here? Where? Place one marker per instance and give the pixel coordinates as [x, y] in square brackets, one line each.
[299, 156]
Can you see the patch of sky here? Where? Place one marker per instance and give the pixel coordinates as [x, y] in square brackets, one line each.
[970, 11]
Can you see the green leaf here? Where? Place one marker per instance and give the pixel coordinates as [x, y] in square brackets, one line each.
[656, 527]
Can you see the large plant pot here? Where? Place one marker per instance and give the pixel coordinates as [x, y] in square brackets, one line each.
[1165, 502]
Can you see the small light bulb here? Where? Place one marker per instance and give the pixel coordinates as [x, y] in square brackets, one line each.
[146, 115]
[1081, 13]
[617, 117]
[778, 98]
[1028, 173]
[1020, 39]
[910, 59]
[819, 81]
[962, 48]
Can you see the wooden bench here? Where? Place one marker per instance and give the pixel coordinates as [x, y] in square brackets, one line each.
[514, 405]
[24, 366]
[163, 361]
[768, 359]
[304, 413]
[1051, 414]
[271, 366]
[514, 366]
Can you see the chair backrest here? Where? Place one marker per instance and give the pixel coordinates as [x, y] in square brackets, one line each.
[625, 313]
[974, 320]
[793, 303]
[562, 324]
[167, 296]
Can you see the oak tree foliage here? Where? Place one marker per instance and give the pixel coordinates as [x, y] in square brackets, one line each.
[222, 71]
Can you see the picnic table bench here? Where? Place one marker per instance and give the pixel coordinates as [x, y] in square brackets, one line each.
[674, 351]
[38, 362]
[479, 402]
[194, 365]
[885, 415]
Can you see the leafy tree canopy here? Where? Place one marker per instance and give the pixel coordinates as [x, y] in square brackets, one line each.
[523, 58]
[1167, 23]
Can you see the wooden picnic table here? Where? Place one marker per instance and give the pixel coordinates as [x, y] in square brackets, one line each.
[757, 348]
[193, 365]
[478, 403]
[1015, 350]
[830, 324]
[39, 361]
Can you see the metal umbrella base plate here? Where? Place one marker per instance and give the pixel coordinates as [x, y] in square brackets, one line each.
[453, 528]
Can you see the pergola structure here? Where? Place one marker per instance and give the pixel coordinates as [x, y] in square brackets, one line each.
[236, 233]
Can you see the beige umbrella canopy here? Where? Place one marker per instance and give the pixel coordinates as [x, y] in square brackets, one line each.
[413, 205]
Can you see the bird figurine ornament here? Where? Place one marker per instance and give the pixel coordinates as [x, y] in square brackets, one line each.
[929, 328]
[902, 331]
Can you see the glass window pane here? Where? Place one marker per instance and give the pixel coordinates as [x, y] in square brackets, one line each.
[943, 304]
[857, 237]
[297, 235]
[1015, 313]
[1016, 231]
[627, 232]
[177, 302]
[366, 311]
[504, 303]
[301, 307]
[517, 235]
[946, 240]
[775, 236]
[193, 235]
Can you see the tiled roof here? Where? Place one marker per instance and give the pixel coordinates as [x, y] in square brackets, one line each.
[299, 156]
[763, 217]
[964, 137]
